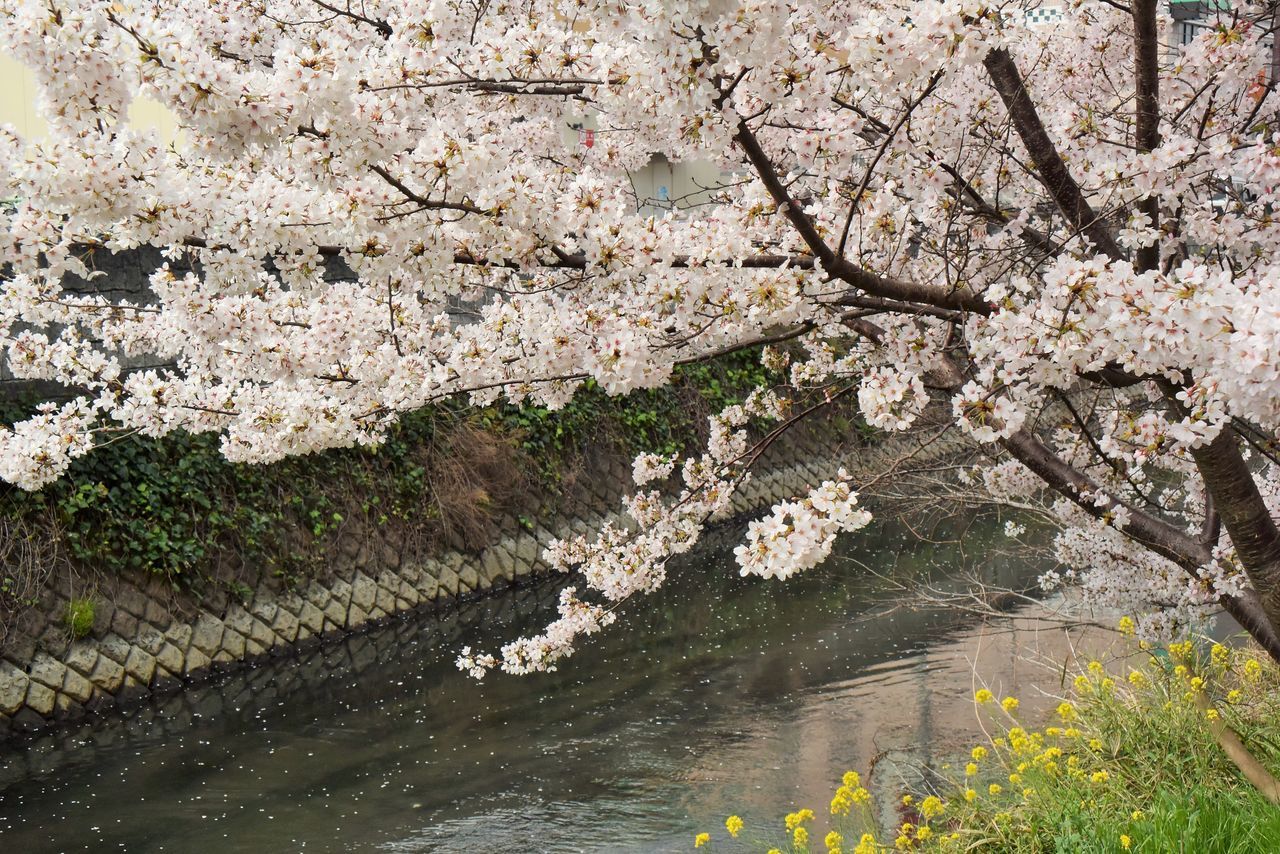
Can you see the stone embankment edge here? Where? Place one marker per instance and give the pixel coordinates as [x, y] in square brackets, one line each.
[150, 651]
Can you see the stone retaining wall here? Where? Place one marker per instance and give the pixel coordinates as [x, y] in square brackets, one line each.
[144, 646]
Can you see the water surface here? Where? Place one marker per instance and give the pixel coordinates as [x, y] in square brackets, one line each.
[720, 695]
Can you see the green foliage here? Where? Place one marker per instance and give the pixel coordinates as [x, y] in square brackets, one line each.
[79, 617]
[176, 507]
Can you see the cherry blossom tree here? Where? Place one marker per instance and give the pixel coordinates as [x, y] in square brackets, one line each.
[1065, 232]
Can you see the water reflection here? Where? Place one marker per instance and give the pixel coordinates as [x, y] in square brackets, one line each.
[722, 695]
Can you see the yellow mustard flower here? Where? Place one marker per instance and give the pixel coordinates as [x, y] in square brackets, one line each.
[970, 795]
[866, 845]
[1095, 667]
[701, 839]
[995, 788]
[1220, 654]
[733, 824]
[1083, 686]
[851, 779]
[983, 696]
[1125, 842]
[1252, 668]
[1137, 678]
[907, 800]
[833, 840]
[1067, 712]
[1211, 714]
[1235, 695]
[1099, 776]
[1009, 704]
[800, 837]
[978, 753]
[971, 769]
[1137, 815]
[924, 833]
[1126, 626]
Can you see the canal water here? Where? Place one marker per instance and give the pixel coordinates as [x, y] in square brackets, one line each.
[720, 695]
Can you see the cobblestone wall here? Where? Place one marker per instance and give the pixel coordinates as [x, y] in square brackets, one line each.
[144, 645]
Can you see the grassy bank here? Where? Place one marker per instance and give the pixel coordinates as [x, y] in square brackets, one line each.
[1133, 761]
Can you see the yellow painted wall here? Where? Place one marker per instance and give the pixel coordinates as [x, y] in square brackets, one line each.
[18, 99]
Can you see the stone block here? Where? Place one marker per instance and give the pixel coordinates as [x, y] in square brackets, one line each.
[124, 624]
[233, 643]
[318, 595]
[141, 665]
[428, 587]
[385, 600]
[179, 634]
[41, 699]
[13, 688]
[448, 582]
[77, 687]
[356, 616]
[264, 607]
[107, 674]
[363, 591]
[206, 636]
[196, 660]
[238, 620]
[149, 638]
[81, 657]
[468, 579]
[115, 648]
[262, 634]
[48, 671]
[336, 612]
[170, 658]
[285, 625]
[311, 617]
[290, 602]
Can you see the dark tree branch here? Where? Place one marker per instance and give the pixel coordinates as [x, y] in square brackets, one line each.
[1053, 171]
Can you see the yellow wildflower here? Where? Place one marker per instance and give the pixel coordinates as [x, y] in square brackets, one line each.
[932, 807]
[1137, 815]
[1125, 841]
[1211, 714]
[733, 824]
[902, 843]
[970, 795]
[1235, 695]
[978, 754]
[1181, 649]
[1252, 668]
[833, 840]
[800, 836]
[1015, 779]
[1107, 685]
[1082, 684]
[983, 696]
[1009, 704]
[1071, 732]
[995, 788]
[924, 833]
[1095, 667]
[1067, 712]
[1099, 776]
[866, 845]
[851, 779]
[1126, 626]
[701, 839]
[907, 800]
[1137, 679]
[971, 769]
[1220, 655]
